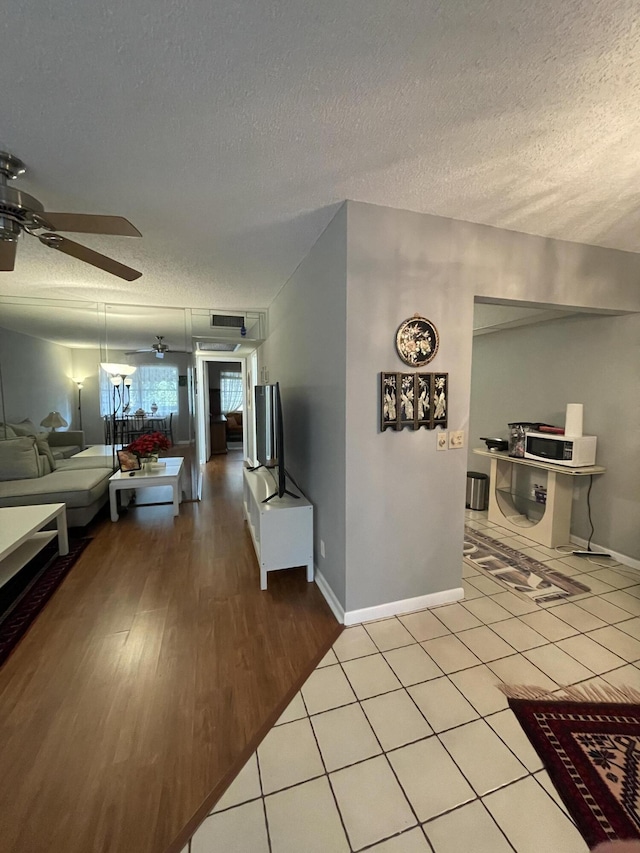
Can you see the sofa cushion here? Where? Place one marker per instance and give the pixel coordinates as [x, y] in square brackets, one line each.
[44, 450]
[75, 488]
[25, 427]
[76, 463]
[64, 451]
[6, 431]
[19, 459]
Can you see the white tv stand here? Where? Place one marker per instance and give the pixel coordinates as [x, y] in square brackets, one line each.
[281, 530]
[555, 525]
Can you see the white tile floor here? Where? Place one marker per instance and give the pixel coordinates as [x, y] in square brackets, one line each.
[400, 742]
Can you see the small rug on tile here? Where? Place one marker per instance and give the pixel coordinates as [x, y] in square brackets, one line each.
[23, 597]
[521, 574]
[589, 741]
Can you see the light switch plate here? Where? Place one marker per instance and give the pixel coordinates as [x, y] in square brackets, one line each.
[442, 441]
[456, 439]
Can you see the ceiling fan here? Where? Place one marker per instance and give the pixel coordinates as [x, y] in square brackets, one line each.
[22, 212]
[159, 348]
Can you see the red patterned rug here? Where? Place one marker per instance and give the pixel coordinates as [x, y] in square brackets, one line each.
[24, 596]
[591, 750]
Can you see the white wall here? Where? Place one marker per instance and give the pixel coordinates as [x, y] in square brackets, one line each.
[533, 372]
[37, 378]
[305, 352]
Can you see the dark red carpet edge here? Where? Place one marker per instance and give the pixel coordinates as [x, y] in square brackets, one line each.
[21, 615]
[550, 727]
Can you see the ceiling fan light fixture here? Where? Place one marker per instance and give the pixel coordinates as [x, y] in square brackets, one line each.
[160, 353]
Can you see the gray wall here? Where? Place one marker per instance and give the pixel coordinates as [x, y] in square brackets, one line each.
[533, 372]
[405, 500]
[37, 378]
[305, 352]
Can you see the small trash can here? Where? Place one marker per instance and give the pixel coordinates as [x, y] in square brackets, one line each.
[477, 490]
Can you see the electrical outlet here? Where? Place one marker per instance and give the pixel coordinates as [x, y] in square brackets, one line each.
[322, 548]
[456, 439]
[442, 441]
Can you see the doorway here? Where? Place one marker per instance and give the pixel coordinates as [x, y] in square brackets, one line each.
[226, 385]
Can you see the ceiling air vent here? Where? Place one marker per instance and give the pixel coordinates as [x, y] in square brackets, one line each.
[217, 347]
[228, 321]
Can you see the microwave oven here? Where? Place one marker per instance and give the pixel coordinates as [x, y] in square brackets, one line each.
[572, 451]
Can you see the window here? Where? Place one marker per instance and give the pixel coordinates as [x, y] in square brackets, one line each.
[149, 384]
[231, 391]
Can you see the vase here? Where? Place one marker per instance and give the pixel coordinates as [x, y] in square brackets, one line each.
[148, 463]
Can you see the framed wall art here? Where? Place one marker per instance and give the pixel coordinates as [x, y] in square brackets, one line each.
[417, 341]
[413, 400]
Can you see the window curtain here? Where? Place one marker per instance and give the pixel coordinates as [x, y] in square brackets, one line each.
[230, 391]
[149, 384]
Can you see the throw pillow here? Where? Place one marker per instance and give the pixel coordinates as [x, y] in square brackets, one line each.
[19, 459]
[42, 443]
[25, 427]
[6, 432]
[232, 422]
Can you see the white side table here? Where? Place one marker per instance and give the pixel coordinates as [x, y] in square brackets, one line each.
[170, 475]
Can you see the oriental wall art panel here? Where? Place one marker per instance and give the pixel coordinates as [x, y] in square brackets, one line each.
[413, 400]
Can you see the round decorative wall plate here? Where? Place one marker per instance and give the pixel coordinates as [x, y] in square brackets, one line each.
[417, 341]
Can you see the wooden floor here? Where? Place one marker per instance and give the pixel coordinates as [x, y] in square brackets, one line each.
[149, 678]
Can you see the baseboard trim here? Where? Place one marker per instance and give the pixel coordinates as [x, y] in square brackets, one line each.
[329, 595]
[407, 605]
[621, 558]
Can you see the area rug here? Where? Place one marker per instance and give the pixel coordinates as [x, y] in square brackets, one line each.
[589, 742]
[521, 574]
[27, 593]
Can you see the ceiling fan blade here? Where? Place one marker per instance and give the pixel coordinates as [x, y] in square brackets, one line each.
[89, 223]
[82, 253]
[7, 255]
[136, 351]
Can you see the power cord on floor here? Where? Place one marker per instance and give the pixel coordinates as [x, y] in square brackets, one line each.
[589, 512]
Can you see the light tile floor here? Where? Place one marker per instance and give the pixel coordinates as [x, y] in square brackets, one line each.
[400, 741]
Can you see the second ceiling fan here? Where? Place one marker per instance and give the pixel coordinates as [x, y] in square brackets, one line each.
[159, 348]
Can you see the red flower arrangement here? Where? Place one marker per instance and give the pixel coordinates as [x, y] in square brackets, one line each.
[149, 444]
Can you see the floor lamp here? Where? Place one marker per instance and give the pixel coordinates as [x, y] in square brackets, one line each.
[120, 378]
[80, 386]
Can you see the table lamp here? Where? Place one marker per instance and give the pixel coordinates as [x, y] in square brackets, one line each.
[53, 421]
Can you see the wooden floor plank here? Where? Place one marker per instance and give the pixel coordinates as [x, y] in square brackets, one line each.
[150, 676]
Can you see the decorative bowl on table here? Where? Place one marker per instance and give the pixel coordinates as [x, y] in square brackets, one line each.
[495, 444]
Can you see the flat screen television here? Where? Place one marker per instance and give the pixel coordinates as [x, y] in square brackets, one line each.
[270, 435]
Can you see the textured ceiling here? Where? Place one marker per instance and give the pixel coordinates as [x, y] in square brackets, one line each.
[228, 131]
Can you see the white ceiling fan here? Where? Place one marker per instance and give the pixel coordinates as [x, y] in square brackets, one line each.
[159, 348]
[21, 212]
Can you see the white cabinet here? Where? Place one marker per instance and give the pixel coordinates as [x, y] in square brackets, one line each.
[282, 530]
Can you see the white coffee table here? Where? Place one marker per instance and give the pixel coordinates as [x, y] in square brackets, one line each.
[21, 536]
[170, 475]
[99, 450]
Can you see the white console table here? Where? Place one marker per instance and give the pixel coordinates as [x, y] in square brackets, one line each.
[281, 530]
[553, 528]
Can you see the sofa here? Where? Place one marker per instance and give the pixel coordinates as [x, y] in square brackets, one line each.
[234, 426]
[34, 469]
